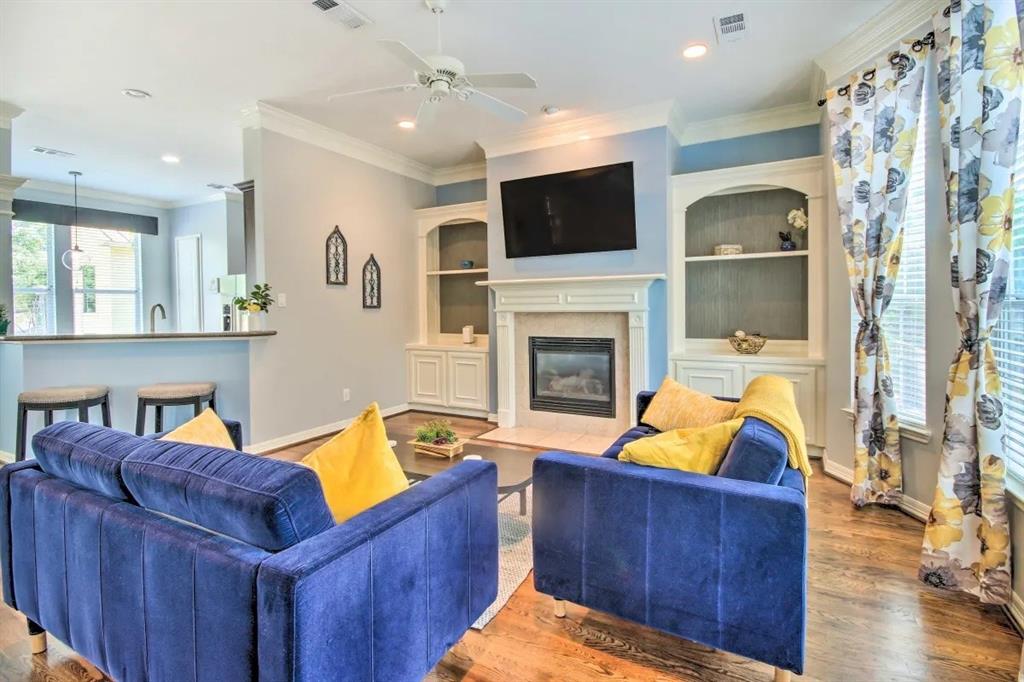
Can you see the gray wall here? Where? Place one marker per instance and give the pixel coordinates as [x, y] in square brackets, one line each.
[326, 341]
[210, 221]
[157, 250]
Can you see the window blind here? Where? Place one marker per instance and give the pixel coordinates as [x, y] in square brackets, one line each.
[107, 289]
[904, 319]
[1008, 335]
[32, 260]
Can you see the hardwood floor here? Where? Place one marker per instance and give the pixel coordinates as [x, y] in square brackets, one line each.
[868, 618]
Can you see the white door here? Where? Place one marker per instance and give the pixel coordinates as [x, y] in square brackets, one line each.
[188, 282]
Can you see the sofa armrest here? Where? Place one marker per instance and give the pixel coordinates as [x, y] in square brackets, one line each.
[384, 595]
[715, 560]
[234, 430]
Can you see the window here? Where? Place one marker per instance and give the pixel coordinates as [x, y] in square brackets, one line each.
[107, 294]
[904, 319]
[34, 301]
[1008, 335]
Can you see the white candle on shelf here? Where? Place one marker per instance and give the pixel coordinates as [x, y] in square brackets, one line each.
[467, 334]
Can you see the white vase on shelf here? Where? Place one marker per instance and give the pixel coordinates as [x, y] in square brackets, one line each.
[256, 322]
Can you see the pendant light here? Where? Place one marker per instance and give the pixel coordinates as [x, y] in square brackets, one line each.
[74, 258]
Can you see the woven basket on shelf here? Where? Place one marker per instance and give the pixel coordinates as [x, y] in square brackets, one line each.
[747, 345]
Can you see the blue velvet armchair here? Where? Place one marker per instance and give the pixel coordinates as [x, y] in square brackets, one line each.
[166, 561]
[720, 560]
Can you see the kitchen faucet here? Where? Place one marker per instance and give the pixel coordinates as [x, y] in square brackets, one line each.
[152, 317]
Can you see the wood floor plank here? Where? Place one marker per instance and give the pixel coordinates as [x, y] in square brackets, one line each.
[868, 619]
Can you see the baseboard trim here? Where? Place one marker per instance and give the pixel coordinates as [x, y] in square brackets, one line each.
[913, 508]
[1015, 612]
[492, 417]
[455, 411]
[297, 437]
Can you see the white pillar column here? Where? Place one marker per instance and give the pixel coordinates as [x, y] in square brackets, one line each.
[506, 356]
[638, 362]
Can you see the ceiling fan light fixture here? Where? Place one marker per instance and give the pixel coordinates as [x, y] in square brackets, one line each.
[406, 124]
[695, 51]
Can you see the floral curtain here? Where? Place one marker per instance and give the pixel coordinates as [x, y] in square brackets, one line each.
[967, 541]
[873, 122]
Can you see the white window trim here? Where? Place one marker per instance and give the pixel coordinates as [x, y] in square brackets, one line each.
[919, 433]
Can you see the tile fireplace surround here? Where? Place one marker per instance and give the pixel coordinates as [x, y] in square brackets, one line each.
[570, 298]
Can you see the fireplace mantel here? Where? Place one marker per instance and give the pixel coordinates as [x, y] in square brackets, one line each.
[596, 294]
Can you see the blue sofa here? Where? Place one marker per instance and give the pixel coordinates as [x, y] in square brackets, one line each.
[166, 561]
[720, 560]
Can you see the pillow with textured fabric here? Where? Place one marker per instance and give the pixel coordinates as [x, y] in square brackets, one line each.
[700, 450]
[357, 468]
[675, 406]
[206, 429]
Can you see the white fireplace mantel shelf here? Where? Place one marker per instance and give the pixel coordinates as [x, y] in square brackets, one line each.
[595, 294]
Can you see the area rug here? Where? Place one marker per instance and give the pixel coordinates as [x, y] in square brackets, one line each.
[515, 553]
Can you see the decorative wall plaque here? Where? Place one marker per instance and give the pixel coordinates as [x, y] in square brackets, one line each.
[371, 283]
[337, 257]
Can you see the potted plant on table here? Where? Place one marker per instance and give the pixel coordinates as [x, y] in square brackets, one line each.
[255, 307]
[437, 439]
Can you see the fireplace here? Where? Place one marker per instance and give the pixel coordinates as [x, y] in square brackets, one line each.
[573, 375]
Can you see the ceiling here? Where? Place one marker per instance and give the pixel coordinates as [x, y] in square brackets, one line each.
[66, 62]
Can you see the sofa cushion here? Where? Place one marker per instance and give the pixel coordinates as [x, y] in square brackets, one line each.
[758, 453]
[641, 431]
[87, 455]
[265, 502]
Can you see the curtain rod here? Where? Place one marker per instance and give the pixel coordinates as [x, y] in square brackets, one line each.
[918, 45]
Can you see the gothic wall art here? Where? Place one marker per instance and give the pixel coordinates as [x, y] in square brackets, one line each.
[337, 258]
[371, 283]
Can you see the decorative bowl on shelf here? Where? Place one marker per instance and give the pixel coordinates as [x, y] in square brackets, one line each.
[466, 264]
[747, 344]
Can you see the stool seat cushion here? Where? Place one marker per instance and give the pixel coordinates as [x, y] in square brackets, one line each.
[195, 389]
[62, 394]
[88, 455]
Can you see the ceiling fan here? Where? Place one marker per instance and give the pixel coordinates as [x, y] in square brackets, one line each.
[445, 76]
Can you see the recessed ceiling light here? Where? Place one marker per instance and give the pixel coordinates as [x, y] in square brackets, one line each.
[135, 93]
[695, 51]
[549, 110]
[170, 158]
[407, 125]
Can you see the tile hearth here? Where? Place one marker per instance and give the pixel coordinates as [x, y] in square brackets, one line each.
[587, 444]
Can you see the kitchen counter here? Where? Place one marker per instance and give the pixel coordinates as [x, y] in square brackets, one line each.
[154, 336]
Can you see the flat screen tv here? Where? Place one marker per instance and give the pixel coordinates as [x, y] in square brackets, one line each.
[579, 211]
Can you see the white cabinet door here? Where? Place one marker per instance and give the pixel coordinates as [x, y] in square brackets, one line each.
[718, 379]
[467, 380]
[426, 377]
[804, 382]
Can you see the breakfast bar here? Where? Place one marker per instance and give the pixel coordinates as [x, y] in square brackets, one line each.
[125, 362]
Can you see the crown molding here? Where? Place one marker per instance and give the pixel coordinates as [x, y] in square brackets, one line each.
[8, 184]
[60, 188]
[630, 120]
[461, 173]
[879, 33]
[8, 112]
[263, 115]
[751, 123]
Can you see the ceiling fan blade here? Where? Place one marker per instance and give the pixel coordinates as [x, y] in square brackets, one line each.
[501, 80]
[495, 105]
[427, 113]
[388, 88]
[404, 54]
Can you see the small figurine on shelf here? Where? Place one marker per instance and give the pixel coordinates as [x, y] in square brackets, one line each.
[787, 242]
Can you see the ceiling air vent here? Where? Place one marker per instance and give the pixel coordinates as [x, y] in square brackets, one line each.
[46, 151]
[342, 12]
[731, 28]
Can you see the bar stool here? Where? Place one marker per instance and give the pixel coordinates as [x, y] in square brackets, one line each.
[47, 400]
[162, 395]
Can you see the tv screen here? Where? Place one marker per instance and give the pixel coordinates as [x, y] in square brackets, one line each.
[579, 211]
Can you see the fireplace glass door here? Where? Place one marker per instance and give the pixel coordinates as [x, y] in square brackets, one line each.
[572, 375]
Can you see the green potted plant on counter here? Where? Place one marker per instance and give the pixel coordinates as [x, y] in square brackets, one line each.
[5, 321]
[255, 307]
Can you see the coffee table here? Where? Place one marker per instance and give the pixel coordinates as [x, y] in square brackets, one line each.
[515, 467]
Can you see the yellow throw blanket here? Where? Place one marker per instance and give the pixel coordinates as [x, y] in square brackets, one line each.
[770, 399]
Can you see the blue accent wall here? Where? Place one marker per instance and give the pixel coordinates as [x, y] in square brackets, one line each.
[461, 192]
[777, 145]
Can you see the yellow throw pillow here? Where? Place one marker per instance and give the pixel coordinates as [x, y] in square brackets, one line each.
[206, 429]
[675, 406]
[357, 468]
[700, 450]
